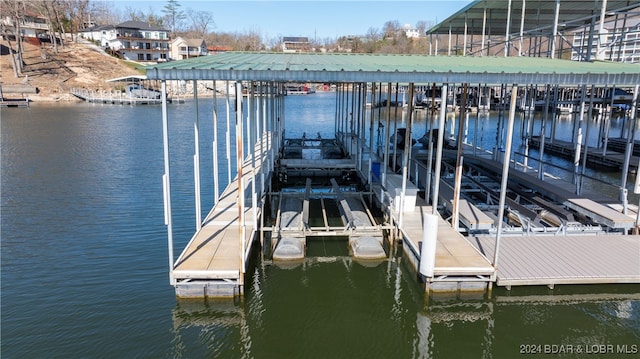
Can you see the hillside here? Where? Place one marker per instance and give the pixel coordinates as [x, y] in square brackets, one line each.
[76, 65]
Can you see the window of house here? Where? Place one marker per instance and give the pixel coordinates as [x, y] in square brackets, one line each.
[141, 57]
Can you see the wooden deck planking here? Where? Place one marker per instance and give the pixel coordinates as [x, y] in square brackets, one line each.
[454, 255]
[580, 259]
[214, 251]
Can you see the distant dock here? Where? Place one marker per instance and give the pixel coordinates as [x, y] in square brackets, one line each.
[115, 97]
[22, 90]
[612, 158]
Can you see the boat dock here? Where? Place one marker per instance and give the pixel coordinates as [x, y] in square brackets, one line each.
[212, 264]
[459, 266]
[22, 100]
[113, 97]
[612, 158]
[490, 211]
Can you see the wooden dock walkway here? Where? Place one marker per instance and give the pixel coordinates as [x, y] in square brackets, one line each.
[211, 263]
[551, 260]
[458, 266]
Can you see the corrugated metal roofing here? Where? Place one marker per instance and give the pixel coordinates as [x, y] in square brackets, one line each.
[312, 67]
[538, 18]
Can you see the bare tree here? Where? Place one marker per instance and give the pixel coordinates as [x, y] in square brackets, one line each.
[8, 34]
[373, 34]
[152, 19]
[53, 12]
[422, 26]
[132, 14]
[249, 41]
[46, 9]
[391, 28]
[104, 13]
[200, 21]
[74, 13]
[14, 10]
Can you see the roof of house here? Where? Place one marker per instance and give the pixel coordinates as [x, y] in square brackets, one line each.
[140, 25]
[295, 39]
[97, 28]
[333, 67]
[215, 48]
[195, 42]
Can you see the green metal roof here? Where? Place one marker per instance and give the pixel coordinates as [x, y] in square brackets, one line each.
[312, 67]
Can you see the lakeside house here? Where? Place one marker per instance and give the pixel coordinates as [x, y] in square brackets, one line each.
[187, 48]
[411, 32]
[132, 40]
[296, 44]
[31, 24]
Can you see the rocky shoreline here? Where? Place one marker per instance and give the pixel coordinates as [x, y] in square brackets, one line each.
[78, 65]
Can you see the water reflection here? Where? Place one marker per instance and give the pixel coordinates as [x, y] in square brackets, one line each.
[331, 306]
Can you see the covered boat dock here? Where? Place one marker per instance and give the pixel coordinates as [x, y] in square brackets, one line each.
[445, 255]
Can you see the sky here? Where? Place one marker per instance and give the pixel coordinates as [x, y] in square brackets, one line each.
[314, 19]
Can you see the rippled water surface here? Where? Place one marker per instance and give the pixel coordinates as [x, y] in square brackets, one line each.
[84, 262]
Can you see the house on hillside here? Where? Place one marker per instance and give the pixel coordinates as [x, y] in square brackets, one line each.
[31, 24]
[411, 32]
[106, 35]
[295, 44]
[187, 48]
[132, 40]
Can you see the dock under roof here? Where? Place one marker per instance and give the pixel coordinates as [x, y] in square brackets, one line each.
[321, 67]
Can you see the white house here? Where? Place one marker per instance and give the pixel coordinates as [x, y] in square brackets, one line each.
[133, 40]
[186, 48]
[106, 35]
[31, 24]
[411, 32]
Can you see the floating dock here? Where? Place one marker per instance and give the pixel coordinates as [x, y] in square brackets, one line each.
[612, 158]
[555, 260]
[114, 97]
[479, 201]
[212, 263]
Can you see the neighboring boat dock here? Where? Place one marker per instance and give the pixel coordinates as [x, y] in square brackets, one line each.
[114, 97]
[23, 90]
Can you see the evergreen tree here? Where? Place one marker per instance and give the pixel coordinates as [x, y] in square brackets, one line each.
[173, 14]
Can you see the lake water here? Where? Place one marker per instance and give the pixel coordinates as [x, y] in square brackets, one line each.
[84, 262]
